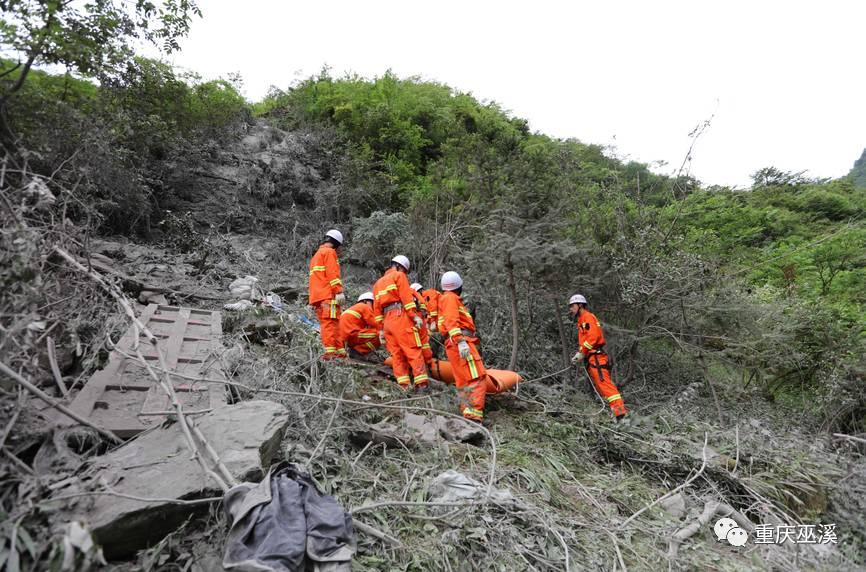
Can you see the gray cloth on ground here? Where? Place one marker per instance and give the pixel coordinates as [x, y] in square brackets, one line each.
[284, 524]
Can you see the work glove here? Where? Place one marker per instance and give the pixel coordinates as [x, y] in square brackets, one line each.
[419, 323]
[463, 348]
[340, 298]
[578, 357]
[381, 338]
[431, 325]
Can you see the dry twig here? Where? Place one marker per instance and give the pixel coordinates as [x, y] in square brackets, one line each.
[58, 406]
[676, 490]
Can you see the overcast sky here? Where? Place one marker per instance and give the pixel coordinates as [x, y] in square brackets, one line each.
[784, 82]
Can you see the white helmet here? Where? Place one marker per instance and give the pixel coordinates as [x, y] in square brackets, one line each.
[335, 234]
[416, 286]
[451, 281]
[366, 296]
[577, 299]
[402, 261]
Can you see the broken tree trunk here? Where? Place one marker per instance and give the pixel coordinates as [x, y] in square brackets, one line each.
[515, 330]
[711, 510]
[564, 344]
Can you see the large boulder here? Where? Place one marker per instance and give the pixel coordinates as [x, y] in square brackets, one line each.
[158, 465]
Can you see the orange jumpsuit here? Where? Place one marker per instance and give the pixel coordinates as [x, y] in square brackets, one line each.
[358, 328]
[470, 376]
[426, 350]
[431, 300]
[325, 284]
[395, 305]
[591, 340]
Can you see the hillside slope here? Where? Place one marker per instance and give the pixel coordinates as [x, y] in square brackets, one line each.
[727, 379]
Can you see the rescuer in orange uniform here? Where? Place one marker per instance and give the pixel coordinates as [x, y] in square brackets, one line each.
[591, 353]
[461, 345]
[426, 351]
[326, 293]
[358, 327]
[395, 306]
[431, 300]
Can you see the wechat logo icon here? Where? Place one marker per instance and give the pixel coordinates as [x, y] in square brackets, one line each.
[727, 529]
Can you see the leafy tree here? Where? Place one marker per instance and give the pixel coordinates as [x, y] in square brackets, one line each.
[90, 38]
[773, 177]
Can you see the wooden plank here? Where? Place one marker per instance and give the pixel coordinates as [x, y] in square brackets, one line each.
[117, 394]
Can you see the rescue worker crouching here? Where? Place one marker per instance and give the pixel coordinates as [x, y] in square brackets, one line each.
[590, 339]
[358, 327]
[395, 308]
[326, 293]
[461, 346]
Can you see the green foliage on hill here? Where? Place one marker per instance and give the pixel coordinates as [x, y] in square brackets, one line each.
[858, 172]
[807, 238]
[738, 275]
[109, 141]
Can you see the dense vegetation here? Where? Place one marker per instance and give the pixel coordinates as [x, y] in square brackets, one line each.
[113, 143]
[770, 280]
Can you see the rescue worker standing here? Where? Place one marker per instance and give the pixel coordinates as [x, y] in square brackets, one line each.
[426, 351]
[326, 293]
[461, 346]
[590, 338]
[358, 327]
[395, 307]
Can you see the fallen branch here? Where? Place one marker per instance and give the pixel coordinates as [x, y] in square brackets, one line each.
[224, 471]
[324, 436]
[386, 504]
[849, 438]
[191, 502]
[55, 369]
[8, 428]
[156, 413]
[676, 490]
[376, 533]
[212, 176]
[182, 422]
[17, 462]
[113, 292]
[58, 406]
[711, 510]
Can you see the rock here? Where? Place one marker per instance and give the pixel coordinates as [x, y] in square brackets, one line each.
[209, 563]
[452, 486]
[288, 292]
[151, 297]
[439, 427]
[675, 505]
[418, 429]
[157, 465]
[261, 330]
[382, 432]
